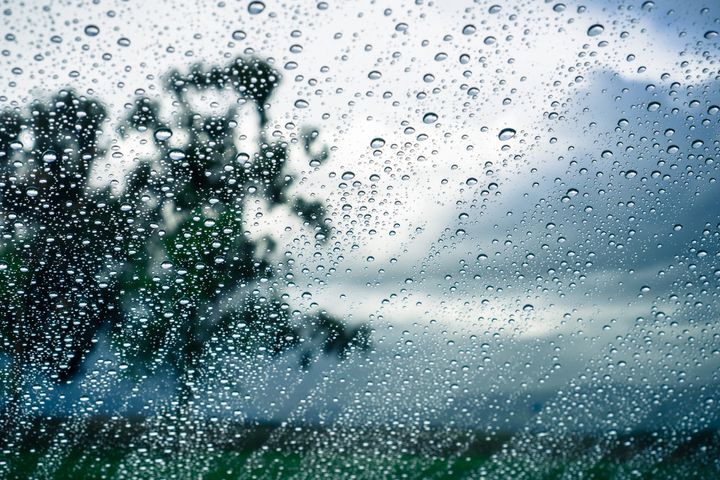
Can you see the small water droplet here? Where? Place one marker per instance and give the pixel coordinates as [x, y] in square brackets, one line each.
[374, 75]
[710, 34]
[239, 35]
[348, 175]
[653, 106]
[301, 103]
[31, 192]
[377, 143]
[469, 29]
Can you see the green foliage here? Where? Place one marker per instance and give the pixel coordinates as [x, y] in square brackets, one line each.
[164, 262]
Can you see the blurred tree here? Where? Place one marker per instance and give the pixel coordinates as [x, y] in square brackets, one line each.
[164, 263]
[58, 239]
[199, 275]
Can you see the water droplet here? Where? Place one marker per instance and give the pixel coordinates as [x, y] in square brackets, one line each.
[630, 174]
[239, 35]
[377, 143]
[123, 42]
[653, 106]
[710, 34]
[166, 265]
[595, 30]
[256, 7]
[401, 27]
[506, 134]
[301, 103]
[490, 40]
[677, 227]
[176, 155]
[430, 117]
[713, 110]
[374, 75]
[559, 7]
[49, 156]
[471, 181]
[348, 175]
[494, 9]
[469, 29]
[697, 143]
[92, 31]
[162, 134]
[31, 192]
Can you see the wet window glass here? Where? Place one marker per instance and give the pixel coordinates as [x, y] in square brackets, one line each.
[411, 239]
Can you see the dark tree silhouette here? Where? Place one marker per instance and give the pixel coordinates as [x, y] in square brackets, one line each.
[57, 240]
[200, 275]
[165, 264]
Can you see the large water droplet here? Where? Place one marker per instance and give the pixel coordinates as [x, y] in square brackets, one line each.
[430, 117]
[162, 134]
[92, 31]
[377, 143]
[256, 7]
[469, 29]
[595, 30]
[506, 134]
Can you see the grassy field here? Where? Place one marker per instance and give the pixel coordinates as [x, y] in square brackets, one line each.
[102, 450]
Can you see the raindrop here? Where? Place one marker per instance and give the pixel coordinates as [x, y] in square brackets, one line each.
[490, 40]
[239, 35]
[176, 155]
[348, 175]
[166, 265]
[49, 156]
[506, 134]
[92, 31]
[469, 29]
[31, 192]
[301, 103]
[653, 106]
[377, 142]
[401, 27]
[123, 42]
[430, 117]
[710, 34]
[162, 134]
[630, 174]
[471, 181]
[697, 143]
[595, 30]
[374, 75]
[256, 7]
